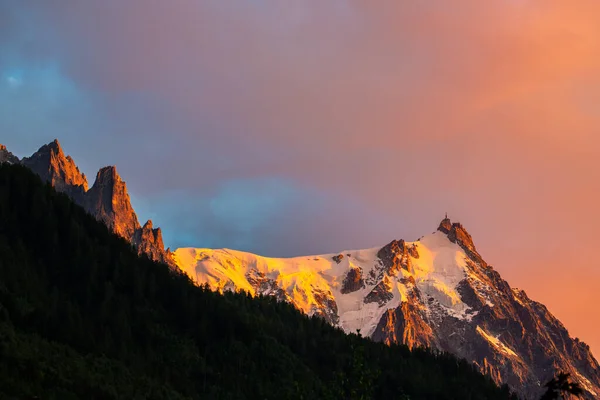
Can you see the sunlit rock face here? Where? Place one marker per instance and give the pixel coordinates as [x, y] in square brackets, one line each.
[51, 164]
[436, 292]
[107, 200]
[149, 241]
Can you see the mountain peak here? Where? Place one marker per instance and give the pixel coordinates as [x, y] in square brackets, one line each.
[55, 145]
[108, 175]
[422, 294]
[51, 164]
[457, 234]
[108, 200]
[446, 225]
[7, 156]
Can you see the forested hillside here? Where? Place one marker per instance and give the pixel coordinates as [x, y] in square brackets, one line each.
[83, 317]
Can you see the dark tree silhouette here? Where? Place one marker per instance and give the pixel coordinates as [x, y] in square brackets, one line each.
[560, 386]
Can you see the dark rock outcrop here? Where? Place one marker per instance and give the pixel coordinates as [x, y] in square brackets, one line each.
[396, 256]
[459, 235]
[338, 258]
[326, 307]
[353, 281]
[413, 251]
[381, 293]
[7, 157]
[445, 225]
[266, 286]
[149, 241]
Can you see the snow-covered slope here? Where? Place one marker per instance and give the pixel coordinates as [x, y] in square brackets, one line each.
[305, 281]
[436, 292]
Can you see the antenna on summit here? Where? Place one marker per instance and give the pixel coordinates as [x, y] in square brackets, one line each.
[446, 215]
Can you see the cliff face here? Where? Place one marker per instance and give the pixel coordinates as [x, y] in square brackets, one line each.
[149, 241]
[107, 200]
[436, 292]
[51, 164]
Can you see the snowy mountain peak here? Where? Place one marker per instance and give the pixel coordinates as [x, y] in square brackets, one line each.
[436, 292]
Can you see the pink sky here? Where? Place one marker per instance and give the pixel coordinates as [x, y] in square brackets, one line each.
[389, 113]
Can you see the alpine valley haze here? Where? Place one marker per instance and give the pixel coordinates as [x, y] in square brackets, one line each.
[436, 292]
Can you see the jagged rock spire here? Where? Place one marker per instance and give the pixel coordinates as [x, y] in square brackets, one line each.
[108, 200]
[148, 240]
[7, 157]
[457, 234]
[51, 164]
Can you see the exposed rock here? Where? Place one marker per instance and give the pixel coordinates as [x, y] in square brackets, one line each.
[354, 281]
[109, 202]
[51, 164]
[265, 286]
[413, 251]
[149, 241]
[445, 225]
[376, 274]
[338, 259]
[327, 307]
[410, 281]
[7, 157]
[381, 294]
[395, 256]
[406, 324]
[459, 235]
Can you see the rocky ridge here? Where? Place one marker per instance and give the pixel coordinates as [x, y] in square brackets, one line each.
[107, 200]
[6, 156]
[436, 292]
